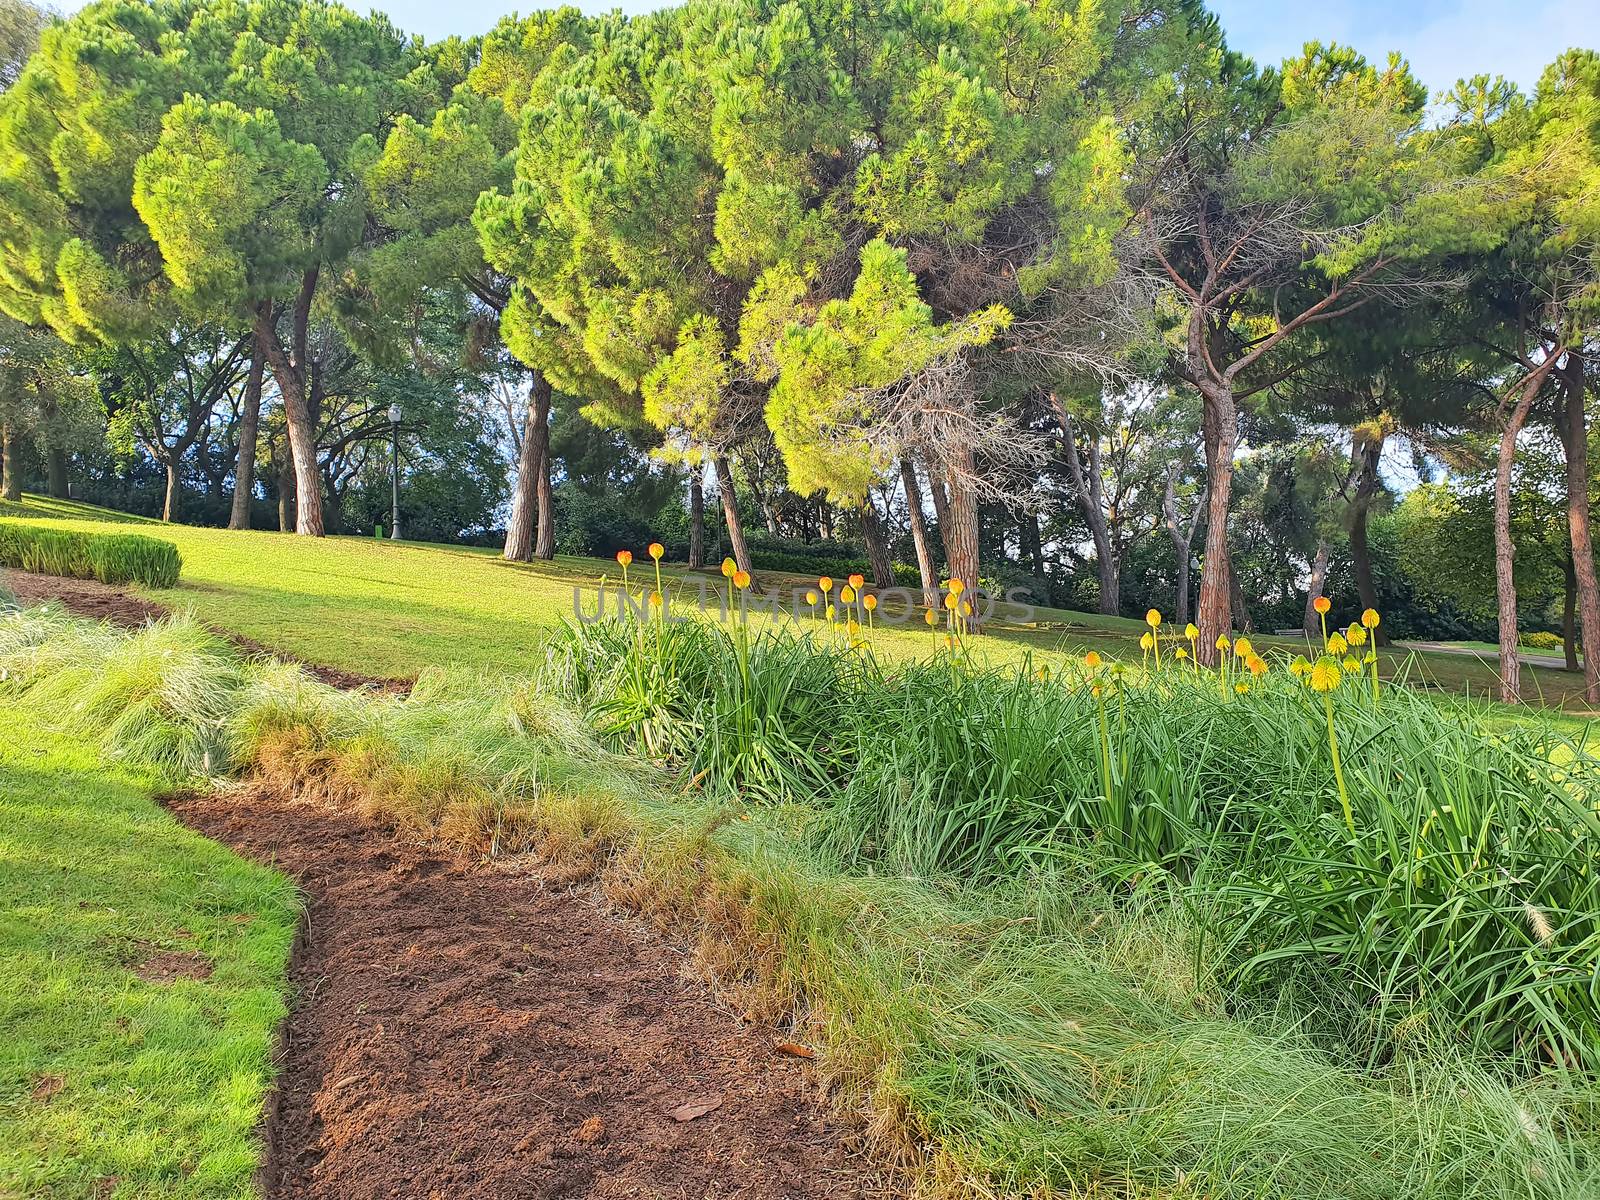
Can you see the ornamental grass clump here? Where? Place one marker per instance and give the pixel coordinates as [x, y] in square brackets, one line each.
[1381, 860]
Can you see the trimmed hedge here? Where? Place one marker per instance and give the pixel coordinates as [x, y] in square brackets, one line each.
[109, 557]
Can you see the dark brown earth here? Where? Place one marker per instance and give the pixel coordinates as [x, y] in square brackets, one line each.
[463, 1032]
[102, 602]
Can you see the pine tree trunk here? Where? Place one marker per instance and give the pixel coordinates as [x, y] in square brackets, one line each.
[697, 519]
[244, 475]
[1569, 616]
[285, 477]
[1221, 428]
[1368, 452]
[730, 512]
[877, 547]
[524, 496]
[1505, 550]
[290, 377]
[1576, 439]
[1319, 577]
[56, 468]
[961, 538]
[169, 505]
[544, 547]
[926, 567]
[10, 464]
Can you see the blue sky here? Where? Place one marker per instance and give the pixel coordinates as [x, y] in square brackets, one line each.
[1443, 39]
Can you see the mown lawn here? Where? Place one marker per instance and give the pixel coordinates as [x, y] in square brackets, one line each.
[113, 1084]
[391, 609]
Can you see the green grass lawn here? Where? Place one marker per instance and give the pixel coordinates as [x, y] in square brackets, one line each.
[391, 609]
[112, 1085]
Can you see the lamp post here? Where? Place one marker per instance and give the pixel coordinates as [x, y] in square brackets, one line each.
[394, 472]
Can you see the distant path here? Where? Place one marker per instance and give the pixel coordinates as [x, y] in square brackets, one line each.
[465, 1032]
[1530, 660]
[102, 602]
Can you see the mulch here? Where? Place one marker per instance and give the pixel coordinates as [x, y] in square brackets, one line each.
[465, 1032]
[102, 602]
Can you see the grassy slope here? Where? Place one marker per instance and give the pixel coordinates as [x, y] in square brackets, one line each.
[161, 1085]
[391, 610]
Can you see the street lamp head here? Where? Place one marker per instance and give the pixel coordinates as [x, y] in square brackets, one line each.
[394, 414]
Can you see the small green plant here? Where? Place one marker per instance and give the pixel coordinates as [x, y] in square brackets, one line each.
[114, 558]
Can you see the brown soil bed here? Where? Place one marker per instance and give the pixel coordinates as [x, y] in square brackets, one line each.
[465, 1032]
[102, 602]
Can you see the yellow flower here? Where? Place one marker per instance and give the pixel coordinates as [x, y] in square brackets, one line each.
[856, 581]
[1091, 660]
[1350, 664]
[966, 609]
[931, 617]
[957, 587]
[829, 612]
[1372, 657]
[1299, 668]
[1356, 635]
[1243, 649]
[655, 599]
[1147, 643]
[1370, 618]
[1241, 688]
[741, 579]
[625, 557]
[826, 584]
[1322, 604]
[811, 598]
[1325, 674]
[1337, 645]
[1257, 664]
[728, 568]
[870, 603]
[951, 601]
[847, 594]
[1222, 641]
[853, 627]
[657, 550]
[1095, 689]
[1190, 631]
[1153, 618]
[1181, 654]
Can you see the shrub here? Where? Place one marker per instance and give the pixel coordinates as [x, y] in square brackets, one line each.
[115, 558]
[1541, 639]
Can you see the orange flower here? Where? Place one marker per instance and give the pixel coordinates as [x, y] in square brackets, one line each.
[1091, 660]
[957, 587]
[657, 550]
[931, 617]
[1370, 618]
[655, 599]
[625, 557]
[870, 603]
[741, 579]
[1322, 604]
[826, 584]
[856, 581]
[847, 594]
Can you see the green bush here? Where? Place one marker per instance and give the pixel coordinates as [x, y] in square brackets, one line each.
[115, 558]
[1541, 639]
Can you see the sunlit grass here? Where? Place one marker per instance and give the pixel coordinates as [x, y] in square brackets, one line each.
[394, 609]
[109, 1083]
